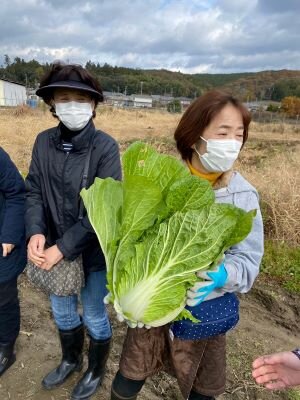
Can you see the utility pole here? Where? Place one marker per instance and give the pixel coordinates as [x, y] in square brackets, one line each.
[142, 87]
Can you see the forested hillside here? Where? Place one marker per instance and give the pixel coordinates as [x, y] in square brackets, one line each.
[265, 85]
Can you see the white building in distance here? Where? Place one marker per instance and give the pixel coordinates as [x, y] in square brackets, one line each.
[11, 93]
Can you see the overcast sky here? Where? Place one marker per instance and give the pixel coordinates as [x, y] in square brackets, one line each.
[187, 35]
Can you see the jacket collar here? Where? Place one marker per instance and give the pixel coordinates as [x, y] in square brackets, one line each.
[224, 180]
[80, 141]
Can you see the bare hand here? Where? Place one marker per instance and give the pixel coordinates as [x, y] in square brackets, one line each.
[52, 256]
[122, 318]
[7, 249]
[277, 371]
[131, 324]
[36, 248]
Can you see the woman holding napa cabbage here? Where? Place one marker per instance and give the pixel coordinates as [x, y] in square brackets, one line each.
[180, 249]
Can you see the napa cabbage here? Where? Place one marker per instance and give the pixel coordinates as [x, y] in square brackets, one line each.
[157, 228]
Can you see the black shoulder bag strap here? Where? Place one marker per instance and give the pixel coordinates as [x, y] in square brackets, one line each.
[85, 176]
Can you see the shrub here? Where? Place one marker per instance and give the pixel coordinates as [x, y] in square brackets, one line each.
[174, 106]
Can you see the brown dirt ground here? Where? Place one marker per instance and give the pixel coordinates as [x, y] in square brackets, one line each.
[269, 322]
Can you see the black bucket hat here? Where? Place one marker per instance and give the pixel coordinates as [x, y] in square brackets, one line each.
[74, 82]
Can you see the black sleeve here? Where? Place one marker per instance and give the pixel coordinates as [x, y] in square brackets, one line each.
[13, 190]
[76, 239]
[35, 220]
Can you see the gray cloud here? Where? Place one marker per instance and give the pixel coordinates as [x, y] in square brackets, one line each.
[187, 35]
[279, 6]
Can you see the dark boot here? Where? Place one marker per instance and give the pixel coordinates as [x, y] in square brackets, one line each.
[197, 396]
[92, 379]
[71, 345]
[115, 396]
[7, 356]
[124, 388]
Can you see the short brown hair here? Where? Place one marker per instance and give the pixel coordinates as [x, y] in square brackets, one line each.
[199, 115]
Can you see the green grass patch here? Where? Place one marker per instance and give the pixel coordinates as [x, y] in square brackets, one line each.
[282, 262]
[294, 394]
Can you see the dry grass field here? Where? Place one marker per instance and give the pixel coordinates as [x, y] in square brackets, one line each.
[19, 127]
[270, 160]
[270, 313]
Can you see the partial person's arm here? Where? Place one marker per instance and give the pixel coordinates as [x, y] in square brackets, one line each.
[13, 189]
[240, 266]
[35, 219]
[277, 371]
[242, 261]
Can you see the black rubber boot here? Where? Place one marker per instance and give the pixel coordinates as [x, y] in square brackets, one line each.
[197, 396]
[7, 356]
[115, 396]
[125, 388]
[71, 345]
[92, 378]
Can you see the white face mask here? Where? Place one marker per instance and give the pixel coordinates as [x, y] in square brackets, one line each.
[220, 154]
[74, 115]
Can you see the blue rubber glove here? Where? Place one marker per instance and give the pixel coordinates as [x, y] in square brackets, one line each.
[213, 279]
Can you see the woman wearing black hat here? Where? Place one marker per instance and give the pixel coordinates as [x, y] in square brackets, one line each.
[53, 228]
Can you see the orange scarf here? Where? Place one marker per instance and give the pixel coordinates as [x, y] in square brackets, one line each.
[210, 177]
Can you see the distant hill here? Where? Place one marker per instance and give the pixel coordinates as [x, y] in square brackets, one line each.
[249, 86]
[266, 85]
